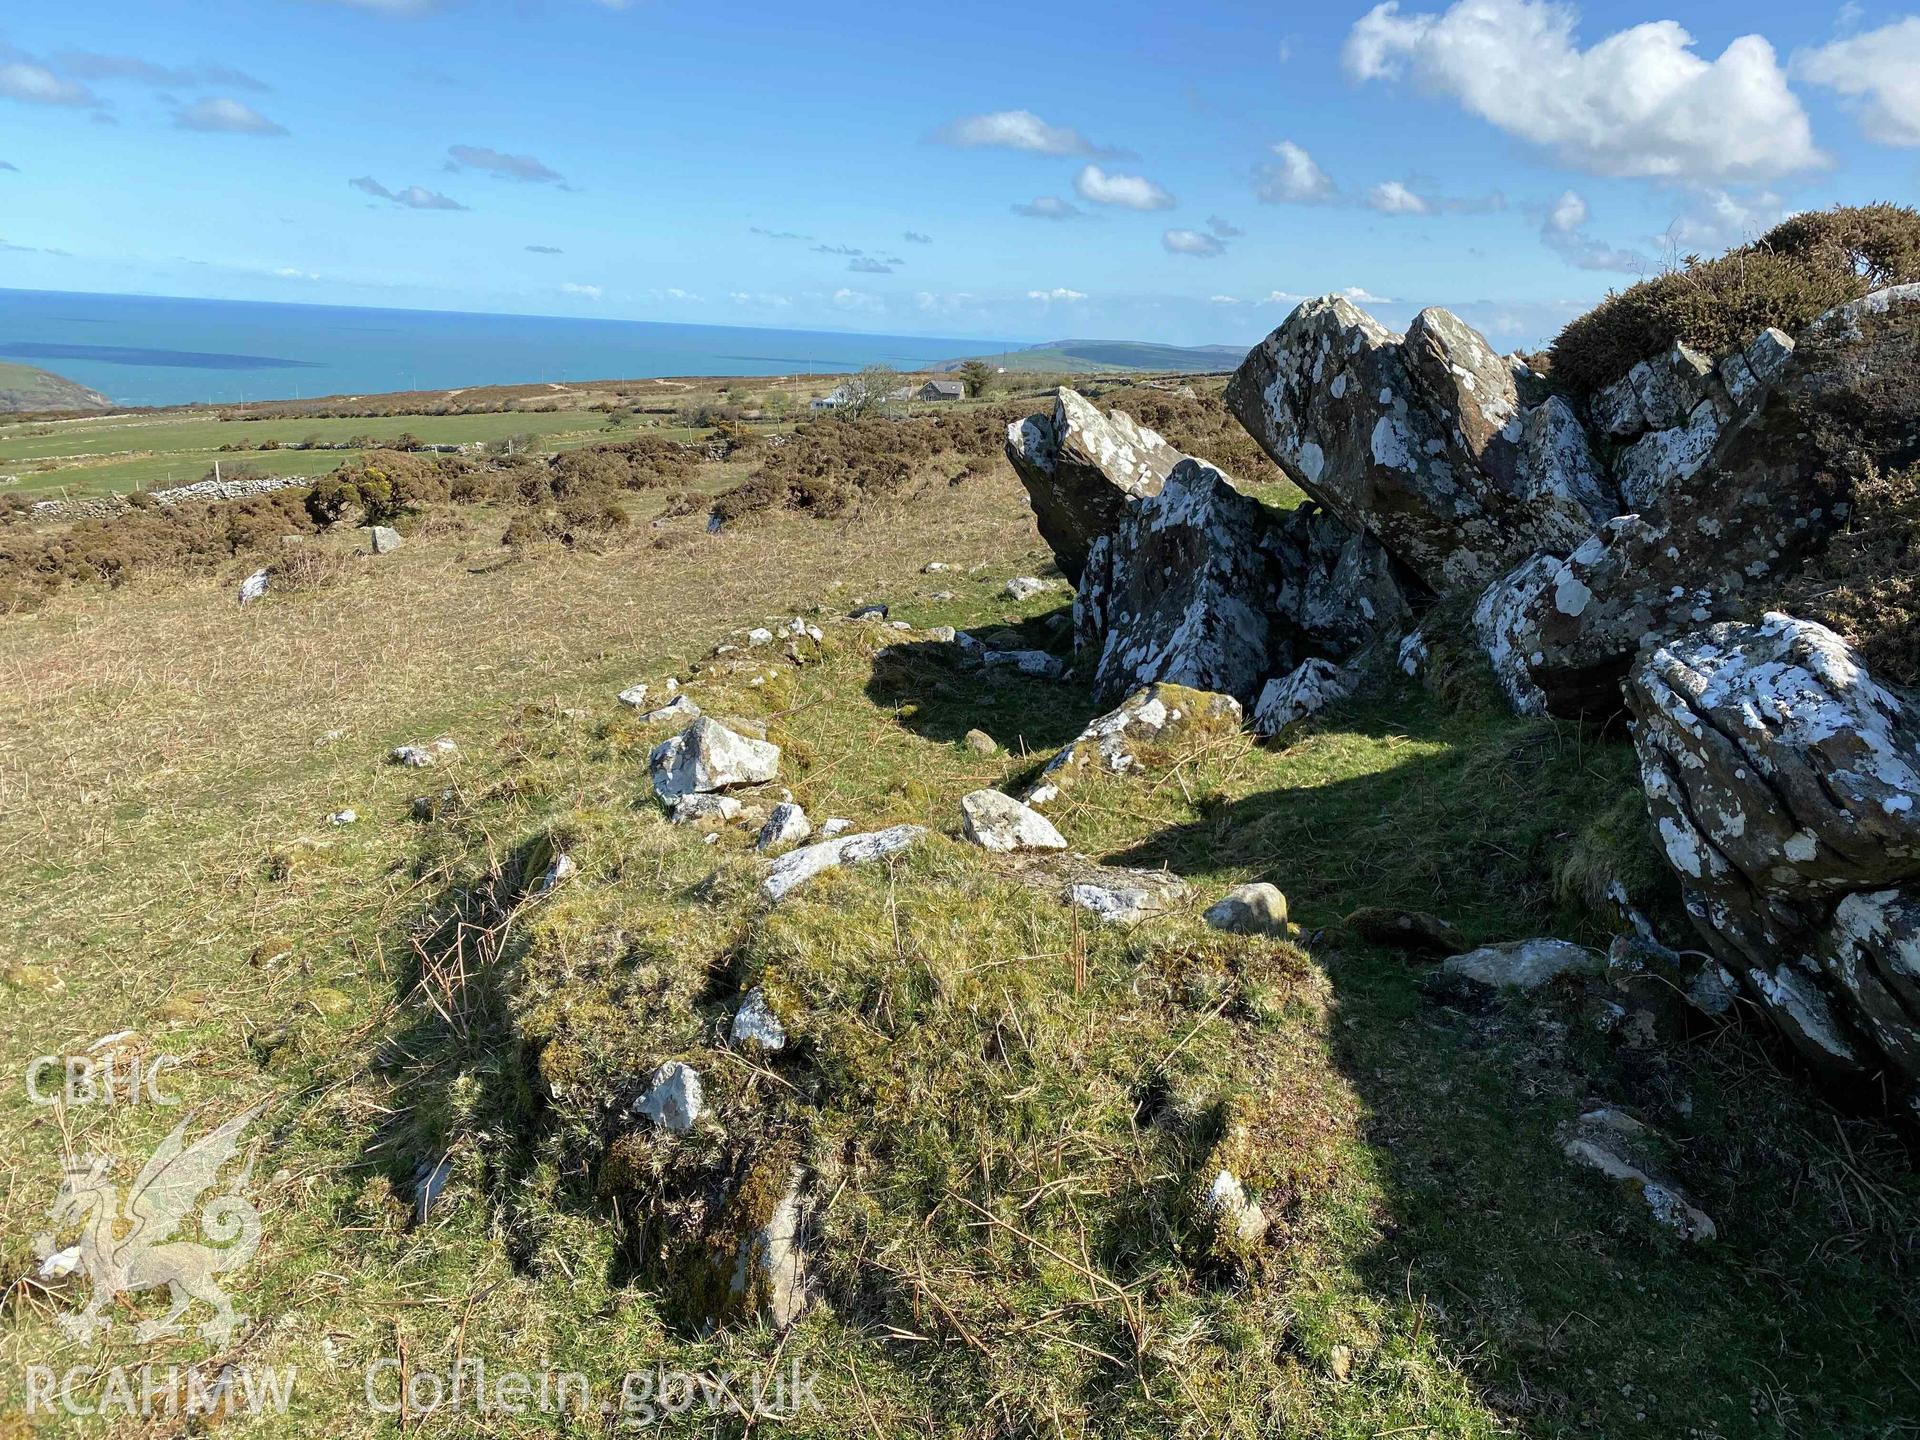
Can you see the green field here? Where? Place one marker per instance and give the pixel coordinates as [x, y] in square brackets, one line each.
[119, 453]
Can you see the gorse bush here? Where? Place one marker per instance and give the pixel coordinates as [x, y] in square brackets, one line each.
[1787, 278]
[829, 467]
[1866, 587]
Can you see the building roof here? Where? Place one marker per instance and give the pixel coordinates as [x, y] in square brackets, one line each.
[948, 387]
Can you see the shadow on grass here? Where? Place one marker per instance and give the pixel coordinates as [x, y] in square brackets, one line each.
[949, 692]
[1571, 1308]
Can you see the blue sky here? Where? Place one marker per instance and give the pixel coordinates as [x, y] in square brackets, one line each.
[1120, 169]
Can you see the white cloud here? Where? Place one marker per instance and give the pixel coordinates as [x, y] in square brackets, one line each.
[414, 197]
[1222, 300]
[1880, 72]
[1016, 130]
[1059, 293]
[288, 272]
[1281, 297]
[1713, 219]
[1393, 198]
[226, 117]
[846, 299]
[37, 85]
[1134, 192]
[747, 297]
[1050, 207]
[1360, 295]
[934, 303]
[502, 165]
[1292, 178]
[1192, 242]
[1224, 227]
[1640, 102]
[585, 292]
[91, 65]
[1563, 230]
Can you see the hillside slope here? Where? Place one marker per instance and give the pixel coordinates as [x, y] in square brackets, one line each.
[25, 389]
[1075, 357]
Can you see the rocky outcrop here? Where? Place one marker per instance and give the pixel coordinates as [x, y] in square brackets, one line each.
[1081, 468]
[1562, 632]
[1419, 441]
[1181, 589]
[1783, 783]
[1335, 589]
[1772, 758]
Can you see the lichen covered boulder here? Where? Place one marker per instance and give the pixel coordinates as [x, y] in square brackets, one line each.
[1181, 589]
[1081, 469]
[706, 757]
[1783, 783]
[1414, 440]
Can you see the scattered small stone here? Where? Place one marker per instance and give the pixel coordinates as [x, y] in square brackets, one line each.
[678, 708]
[935, 567]
[1024, 587]
[835, 825]
[796, 867]
[941, 634]
[759, 636]
[342, 817]
[707, 756]
[1028, 662]
[254, 586]
[703, 809]
[634, 695]
[1257, 909]
[755, 1021]
[1238, 1218]
[787, 825]
[980, 743]
[429, 1183]
[420, 756]
[428, 807]
[382, 539]
[941, 595]
[1522, 964]
[995, 821]
[673, 1099]
[1618, 1146]
[868, 612]
[1124, 897]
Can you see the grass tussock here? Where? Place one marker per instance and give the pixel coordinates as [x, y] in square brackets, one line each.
[1787, 278]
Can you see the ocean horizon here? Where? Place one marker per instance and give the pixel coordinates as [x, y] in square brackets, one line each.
[173, 350]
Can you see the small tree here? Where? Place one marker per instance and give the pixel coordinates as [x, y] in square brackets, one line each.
[867, 392]
[977, 376]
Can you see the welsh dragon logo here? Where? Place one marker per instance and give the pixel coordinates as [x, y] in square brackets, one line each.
[127, 1245]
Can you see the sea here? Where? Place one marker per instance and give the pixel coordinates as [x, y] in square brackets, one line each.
[165, 350]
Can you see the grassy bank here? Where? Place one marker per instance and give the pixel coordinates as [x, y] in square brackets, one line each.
[1005, 1110]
